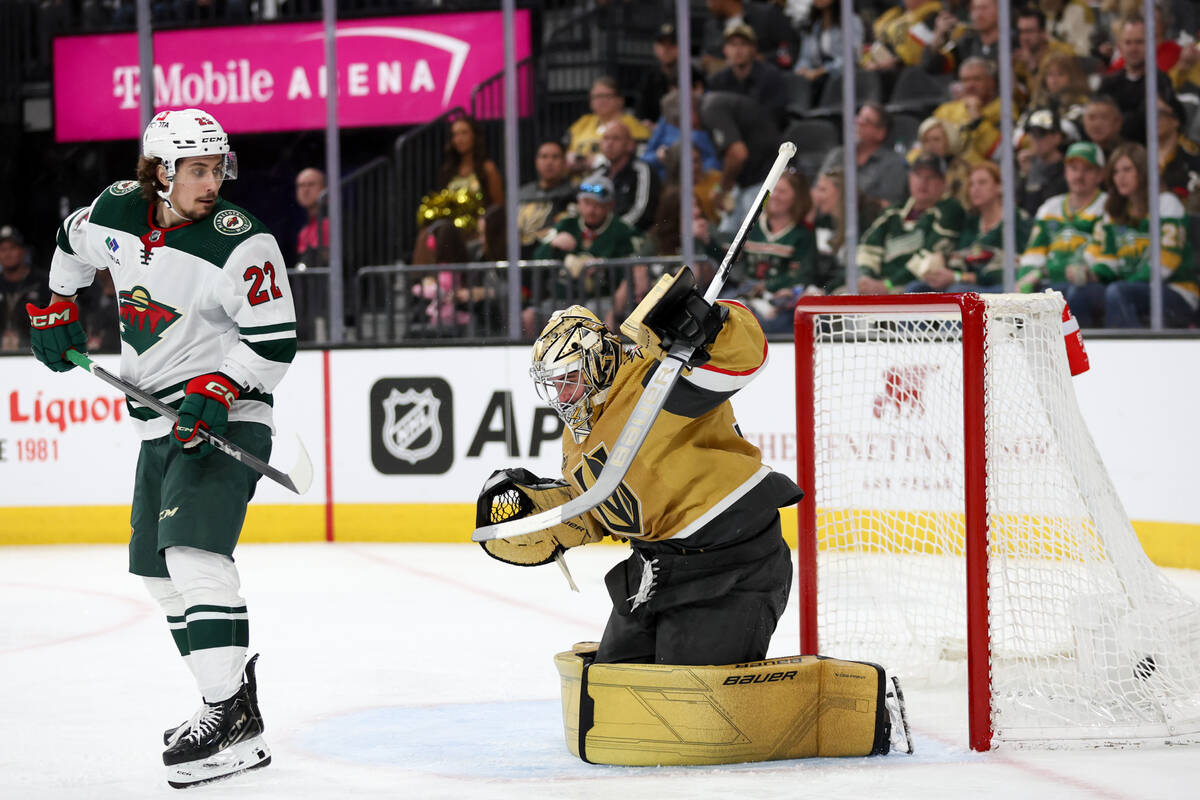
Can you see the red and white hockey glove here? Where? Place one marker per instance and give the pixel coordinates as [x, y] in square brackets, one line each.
[53, 331]
[205, 405]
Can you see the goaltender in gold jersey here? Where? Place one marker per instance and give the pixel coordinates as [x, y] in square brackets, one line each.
[710, 571]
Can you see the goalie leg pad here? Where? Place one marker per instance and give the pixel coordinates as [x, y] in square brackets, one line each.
[516, 493]
[795, 707]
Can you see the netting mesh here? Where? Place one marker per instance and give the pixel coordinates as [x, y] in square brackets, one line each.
[1088, 639]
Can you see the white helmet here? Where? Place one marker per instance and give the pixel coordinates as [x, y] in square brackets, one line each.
[576, 358]
[173, 135]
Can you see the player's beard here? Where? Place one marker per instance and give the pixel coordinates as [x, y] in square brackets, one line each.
[198, 210]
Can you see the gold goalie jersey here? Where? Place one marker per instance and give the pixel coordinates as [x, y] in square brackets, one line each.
[694, 463]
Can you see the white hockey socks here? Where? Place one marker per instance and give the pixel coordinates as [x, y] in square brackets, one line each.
[207, 617]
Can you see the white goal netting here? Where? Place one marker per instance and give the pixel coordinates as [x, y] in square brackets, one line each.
[1088, 640]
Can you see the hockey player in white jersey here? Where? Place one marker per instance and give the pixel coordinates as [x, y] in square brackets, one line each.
[207, 326]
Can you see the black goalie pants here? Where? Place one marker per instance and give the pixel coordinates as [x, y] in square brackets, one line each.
[709, 607]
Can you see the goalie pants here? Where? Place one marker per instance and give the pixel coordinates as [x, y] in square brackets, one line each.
[708, 607]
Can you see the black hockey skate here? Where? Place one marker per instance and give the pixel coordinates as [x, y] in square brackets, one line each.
[224, 738]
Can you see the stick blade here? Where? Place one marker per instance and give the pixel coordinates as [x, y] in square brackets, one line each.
[301, 473]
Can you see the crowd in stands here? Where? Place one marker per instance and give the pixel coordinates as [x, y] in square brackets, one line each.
[927, 154]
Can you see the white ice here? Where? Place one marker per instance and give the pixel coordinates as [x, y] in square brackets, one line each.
[424, 671]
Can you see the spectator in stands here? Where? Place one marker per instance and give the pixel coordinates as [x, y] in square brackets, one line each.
[583, 137]
[976, 264]
[467, 164]
[1070, 21]
[1063, 224]
[901, 35]
[821, 42]
[942, 138]
[779, 258]
[1167, 50]
[829, 226]
[1062, 86]
[706, 182]
[1178, 156]
[596, 233]
[1102, 123]
[20, 283]
[436, 309]
[745, 73]
[544, 200]
[747, 141]
[636, 184]
[977, 112]
[777, 42]
[954, 43]
[661, 79]
[1042, 173]
[930, 222]
[312, 243]
[1034, 46]
[1128, 87]
[1118, 254]
[667, 132]
[881, 170]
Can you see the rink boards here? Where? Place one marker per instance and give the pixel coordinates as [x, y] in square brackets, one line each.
[401, 440]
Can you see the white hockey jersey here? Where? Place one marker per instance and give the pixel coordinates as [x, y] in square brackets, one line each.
[208, 296]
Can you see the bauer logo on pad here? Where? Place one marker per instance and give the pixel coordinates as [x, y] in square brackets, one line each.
[412, 426]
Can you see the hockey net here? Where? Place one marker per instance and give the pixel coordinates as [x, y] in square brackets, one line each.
[959, 521]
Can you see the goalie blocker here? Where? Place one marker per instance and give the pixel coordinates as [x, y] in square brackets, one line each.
[794, 707]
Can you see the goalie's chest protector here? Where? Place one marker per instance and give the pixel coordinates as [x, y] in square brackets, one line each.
[690, 468]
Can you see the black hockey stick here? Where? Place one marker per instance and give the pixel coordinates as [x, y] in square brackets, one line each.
[654, 396]
[298, 479]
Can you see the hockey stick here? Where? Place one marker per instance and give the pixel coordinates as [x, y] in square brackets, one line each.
[298, 479]
[654, 396]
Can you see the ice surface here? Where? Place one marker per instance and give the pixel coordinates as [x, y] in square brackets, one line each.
[424, 671]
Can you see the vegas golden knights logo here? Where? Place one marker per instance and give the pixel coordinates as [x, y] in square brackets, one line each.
[621, 513]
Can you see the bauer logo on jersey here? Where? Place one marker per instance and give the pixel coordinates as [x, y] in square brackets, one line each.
[123, 187]
[143, 319]
[412, 426]
[621, 513]
[231, 222]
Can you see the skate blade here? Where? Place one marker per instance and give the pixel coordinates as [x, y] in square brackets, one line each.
[243, 756]
[901, 738]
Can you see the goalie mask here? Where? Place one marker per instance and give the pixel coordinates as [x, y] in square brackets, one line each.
[575, 360]
[173, 135]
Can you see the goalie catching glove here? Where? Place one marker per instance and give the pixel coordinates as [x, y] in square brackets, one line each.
[516, 493]
[675, 312]
[205, 405]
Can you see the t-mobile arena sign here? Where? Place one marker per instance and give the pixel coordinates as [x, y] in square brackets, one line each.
[261, 78]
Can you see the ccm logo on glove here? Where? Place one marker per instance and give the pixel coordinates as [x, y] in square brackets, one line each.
[53, 331]
[206, 403]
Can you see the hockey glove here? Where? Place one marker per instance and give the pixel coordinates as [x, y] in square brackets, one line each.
[676, 313]
[205, 405]
[515, 493]
[53, 331]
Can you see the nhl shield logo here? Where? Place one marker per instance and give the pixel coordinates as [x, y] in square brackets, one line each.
[408, 417]
[231, 222]
[411, 426]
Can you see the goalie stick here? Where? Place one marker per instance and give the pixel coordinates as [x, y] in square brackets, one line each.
[298, 479]
[654, 396]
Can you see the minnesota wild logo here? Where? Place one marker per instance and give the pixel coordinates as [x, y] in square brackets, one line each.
[230, 222]
[622, 511]
[123, 187]
[144, 320]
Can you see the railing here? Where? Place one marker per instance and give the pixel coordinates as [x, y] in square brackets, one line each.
[468, 302]
[418, 155]
[369, 214]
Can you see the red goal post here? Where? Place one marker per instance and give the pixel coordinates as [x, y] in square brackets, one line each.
[957, 518]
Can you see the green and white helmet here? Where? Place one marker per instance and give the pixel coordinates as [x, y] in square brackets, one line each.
[575, 358]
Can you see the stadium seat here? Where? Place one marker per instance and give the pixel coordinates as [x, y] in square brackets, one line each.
[814, 138]
[867, 86]
[918, 92]
[799, 94]
[904, 131]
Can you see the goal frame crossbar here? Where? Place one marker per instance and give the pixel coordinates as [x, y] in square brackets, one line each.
[971, 308]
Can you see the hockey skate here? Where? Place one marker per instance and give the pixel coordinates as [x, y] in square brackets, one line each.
[900, 737]
[223, 739]
[172, 735]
